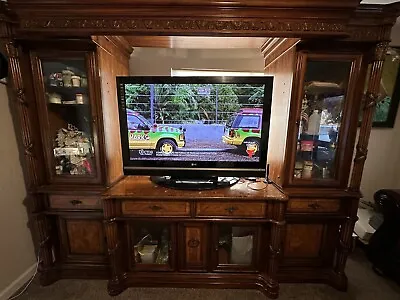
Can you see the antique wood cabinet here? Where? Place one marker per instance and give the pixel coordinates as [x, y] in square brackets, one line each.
[201, 238]
[89, 221]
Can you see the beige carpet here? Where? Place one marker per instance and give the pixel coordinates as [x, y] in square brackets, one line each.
[363, 284]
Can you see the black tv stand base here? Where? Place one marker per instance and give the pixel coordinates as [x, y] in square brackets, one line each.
[205, 183]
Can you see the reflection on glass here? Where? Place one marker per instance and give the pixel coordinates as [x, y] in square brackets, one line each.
[325, 86]
[66, 91]
[151, 243]
[235, 245]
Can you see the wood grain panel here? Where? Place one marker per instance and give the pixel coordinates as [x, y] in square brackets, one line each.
[194, 236]
[231, 209]
[74, 202]
[85, 236]
[133, 187]
[112, 62]
[282, 69]
[314, 205]
[303, 240]
[156, 208]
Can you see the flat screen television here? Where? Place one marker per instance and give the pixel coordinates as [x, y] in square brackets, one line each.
[195, 129]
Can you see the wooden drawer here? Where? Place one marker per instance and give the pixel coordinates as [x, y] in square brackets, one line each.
[74, 202]
[231, 209]
[156, 208]
[314, 205]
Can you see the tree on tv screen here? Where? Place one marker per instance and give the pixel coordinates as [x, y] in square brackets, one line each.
[189, 103]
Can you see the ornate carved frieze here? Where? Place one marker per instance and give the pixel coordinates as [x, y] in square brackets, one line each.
[180, 24]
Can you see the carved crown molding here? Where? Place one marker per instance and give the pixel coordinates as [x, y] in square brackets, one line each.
[156, 25]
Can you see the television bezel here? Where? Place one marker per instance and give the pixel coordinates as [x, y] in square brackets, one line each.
[194, 169]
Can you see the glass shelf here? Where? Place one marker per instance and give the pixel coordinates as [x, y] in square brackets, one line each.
[69, 131]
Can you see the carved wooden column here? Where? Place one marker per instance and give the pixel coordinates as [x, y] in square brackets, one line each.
[278, 222]
[339, 279]
[116, 283]
[24, 110]
[371, 98]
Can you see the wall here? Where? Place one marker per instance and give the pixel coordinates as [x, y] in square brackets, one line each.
[159, 61]
[16, 252]
[382, 167]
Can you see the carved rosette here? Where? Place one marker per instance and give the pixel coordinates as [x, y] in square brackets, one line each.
[179, 24]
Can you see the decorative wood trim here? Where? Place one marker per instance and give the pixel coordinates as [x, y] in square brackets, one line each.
[275, 250]
[345, 244]
[274, 48]
[253, 18]
[24, 107]
[121, 43]
[116, 283]
[189, 26]
[189, 3]
[368, 115]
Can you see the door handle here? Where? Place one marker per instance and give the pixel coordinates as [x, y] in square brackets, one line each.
[75, 202]
[193, 243]
[314, 205]
[155, 207]
[231, 209]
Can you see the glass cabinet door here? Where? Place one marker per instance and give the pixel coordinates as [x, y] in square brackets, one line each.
[66, 120]
[235, 246]
[324, 96]
[151, 245]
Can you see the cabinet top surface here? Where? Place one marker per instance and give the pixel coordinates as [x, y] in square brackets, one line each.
[141, 187]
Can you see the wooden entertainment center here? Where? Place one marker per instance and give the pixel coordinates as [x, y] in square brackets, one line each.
[88, 220]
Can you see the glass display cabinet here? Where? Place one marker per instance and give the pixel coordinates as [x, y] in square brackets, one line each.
[235, 246]
[326, 87]
[67, 117]
[151, 245]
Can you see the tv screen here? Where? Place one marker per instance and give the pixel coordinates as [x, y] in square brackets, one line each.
[215, 125]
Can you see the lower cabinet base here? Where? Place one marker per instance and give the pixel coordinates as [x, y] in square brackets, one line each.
[73, 271]
[314, 275]
[195, 280]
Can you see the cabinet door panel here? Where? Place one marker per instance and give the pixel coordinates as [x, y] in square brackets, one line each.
[303, 240]
[235, 247]
[321, 128]
[310, 245]
[193, 244]
[152, 245]
[82, 239]
[65, 98]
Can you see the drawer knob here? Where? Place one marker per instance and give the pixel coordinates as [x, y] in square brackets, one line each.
[231, 209]
[314, 205]
[75, 202]
[155, 207]
[193, 243]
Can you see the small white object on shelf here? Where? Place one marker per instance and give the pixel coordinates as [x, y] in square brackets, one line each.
[314, 123]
